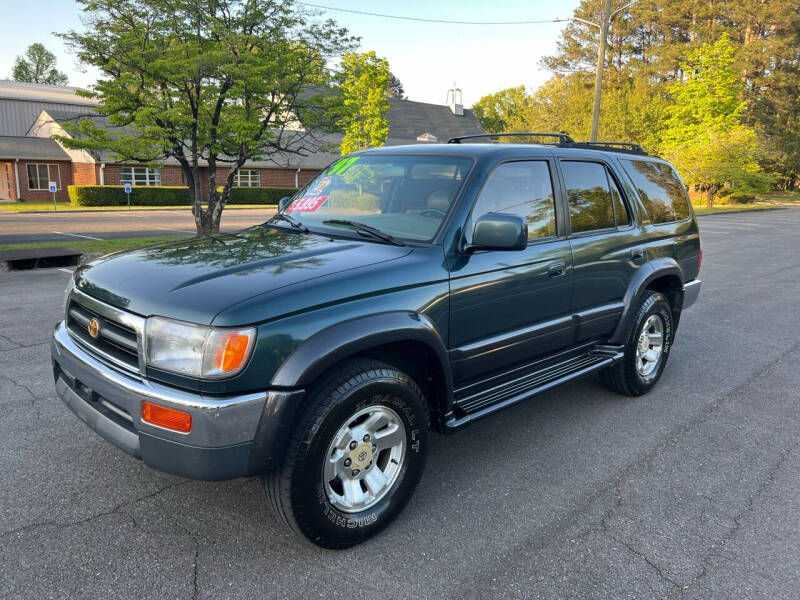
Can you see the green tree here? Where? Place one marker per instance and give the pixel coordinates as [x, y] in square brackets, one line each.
[38, 66]
[503, 111]
[209, 84]
[396, 87]
[364, 82]
[704, 136]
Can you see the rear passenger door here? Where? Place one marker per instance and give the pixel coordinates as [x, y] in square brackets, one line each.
[606, 246]
[508, 307]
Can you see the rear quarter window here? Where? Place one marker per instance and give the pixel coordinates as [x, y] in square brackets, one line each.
[661, 191]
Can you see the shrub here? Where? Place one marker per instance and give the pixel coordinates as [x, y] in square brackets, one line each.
[738, 197]
[258, 195]
[741, 198]
[114, 195]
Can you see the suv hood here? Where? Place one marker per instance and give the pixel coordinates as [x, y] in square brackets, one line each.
[193, 280]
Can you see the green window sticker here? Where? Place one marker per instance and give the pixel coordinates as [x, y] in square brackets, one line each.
[341, 166]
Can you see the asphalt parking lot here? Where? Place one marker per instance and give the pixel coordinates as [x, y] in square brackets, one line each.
[78, 226]
[690, 491]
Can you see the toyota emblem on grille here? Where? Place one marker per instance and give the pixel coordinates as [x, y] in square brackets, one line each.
[93, 328]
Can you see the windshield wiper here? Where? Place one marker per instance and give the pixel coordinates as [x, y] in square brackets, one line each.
[364, 228]
[295, 224]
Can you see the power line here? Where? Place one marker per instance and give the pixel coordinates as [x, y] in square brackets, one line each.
[401, 18]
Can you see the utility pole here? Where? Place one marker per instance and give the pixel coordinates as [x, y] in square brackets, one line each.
[605, 22]
[598, 77]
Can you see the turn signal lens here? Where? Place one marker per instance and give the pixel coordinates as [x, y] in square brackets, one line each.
[227, 351]
[231, 352]
[169, 418]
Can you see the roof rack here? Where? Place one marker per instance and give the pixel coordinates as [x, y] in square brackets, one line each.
[627, 147]
[563, 138]
[563, 141]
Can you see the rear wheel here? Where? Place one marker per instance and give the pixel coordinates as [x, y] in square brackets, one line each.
[355, 456]
[647, 348]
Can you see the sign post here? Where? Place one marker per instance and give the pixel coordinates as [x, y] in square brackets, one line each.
[127, 188]
[52, 187]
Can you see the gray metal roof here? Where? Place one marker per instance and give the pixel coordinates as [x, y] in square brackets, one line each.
[30, 148]
[41, 92]
[21, 103]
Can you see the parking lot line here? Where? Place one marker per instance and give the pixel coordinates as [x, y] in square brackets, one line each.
[88, 237]
[178, 230]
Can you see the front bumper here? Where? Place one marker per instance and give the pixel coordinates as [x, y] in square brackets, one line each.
[231, 436]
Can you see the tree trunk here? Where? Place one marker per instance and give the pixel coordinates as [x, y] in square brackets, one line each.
[710, 193]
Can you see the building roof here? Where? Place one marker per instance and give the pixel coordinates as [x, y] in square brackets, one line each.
[21, 103]
[408, 120]
[409, 123]
[40, 92]
[30, 148]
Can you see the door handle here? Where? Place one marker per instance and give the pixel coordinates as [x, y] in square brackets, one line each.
[637, 253]
[557, 269]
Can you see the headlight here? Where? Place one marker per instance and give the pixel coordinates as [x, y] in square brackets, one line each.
[197, 350]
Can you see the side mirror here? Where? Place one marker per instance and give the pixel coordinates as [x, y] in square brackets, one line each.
[283, 203]
[499, 231]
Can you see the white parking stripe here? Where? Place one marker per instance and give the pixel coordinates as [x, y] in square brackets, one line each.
[70, 271]
[178, 230]
[88, 237]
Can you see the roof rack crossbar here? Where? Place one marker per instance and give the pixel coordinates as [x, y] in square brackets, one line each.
[562, 138]
[613, 146]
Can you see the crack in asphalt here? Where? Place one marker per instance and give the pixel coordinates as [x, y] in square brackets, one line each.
[18, 346]
[644, 557]
[616, 489]
[33, 397]
[105, 513]
[768, 481]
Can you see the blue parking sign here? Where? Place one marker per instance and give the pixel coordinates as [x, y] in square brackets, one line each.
[52, 186]
[127, 187]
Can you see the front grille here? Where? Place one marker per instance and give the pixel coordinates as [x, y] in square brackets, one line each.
[116, 341]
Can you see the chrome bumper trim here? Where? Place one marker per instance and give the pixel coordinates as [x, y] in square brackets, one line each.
[691, 290]
[216, 421]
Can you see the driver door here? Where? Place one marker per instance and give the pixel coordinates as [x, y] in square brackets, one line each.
[510, 307]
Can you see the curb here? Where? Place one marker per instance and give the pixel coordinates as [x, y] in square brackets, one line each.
[122, 210]
[738, 212]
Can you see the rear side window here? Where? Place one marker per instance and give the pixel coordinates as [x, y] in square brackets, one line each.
[589, 196]
[521, 188]
[661, 191]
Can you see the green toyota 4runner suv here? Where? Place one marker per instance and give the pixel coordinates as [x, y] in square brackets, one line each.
[404, 290]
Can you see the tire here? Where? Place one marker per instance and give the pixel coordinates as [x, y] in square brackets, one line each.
[302, 491]
[634, 375]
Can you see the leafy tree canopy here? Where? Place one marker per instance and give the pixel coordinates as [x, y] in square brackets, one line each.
[208, 84]
[503, 111]
[396, 87]
[364, 81]
[38, 66]
[660, 77]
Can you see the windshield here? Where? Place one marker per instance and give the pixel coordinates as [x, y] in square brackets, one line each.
[403, 197]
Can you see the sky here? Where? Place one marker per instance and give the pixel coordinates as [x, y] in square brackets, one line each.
[427, 57]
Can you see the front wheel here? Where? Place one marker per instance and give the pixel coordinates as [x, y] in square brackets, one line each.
[355, 457]
[647, 348]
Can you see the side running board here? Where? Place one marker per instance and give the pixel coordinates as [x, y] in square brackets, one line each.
[472, 407]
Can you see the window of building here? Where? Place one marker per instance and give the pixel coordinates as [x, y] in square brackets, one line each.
[140, 175]
[521, 188]
[595, 201]
[661, 190]
[247, 178]
[40, 176]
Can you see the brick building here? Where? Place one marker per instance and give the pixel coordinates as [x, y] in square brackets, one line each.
[31, 158]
